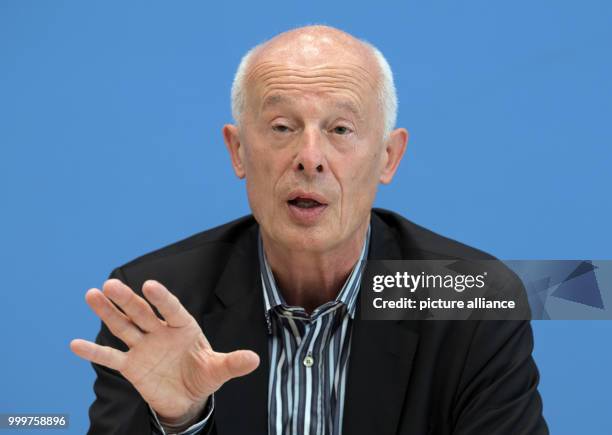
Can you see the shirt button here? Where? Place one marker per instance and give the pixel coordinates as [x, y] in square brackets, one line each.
[309, 360]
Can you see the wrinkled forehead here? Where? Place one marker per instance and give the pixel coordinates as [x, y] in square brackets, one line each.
[305, 66]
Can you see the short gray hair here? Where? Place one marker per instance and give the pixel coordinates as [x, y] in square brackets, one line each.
[387, 95]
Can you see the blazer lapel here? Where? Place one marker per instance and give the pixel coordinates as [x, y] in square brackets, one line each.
[241, 405]
[381, 358]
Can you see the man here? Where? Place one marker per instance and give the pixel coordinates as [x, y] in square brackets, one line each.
[256, 325]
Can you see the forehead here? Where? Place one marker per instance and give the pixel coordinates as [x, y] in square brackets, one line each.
[272, 100]
[351, 84]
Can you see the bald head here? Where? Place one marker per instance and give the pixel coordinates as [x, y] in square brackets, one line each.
[313, 47]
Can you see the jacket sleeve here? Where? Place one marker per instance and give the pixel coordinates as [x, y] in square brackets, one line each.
[197, 428]
[498, 388]
[118, 408]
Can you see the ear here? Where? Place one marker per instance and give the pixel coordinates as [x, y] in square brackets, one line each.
[232, 142]
[395, 146]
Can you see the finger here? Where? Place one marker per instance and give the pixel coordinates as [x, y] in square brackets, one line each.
[237, 363]
[116, 321]
[104, 355]
[168, 305]
[135, 307]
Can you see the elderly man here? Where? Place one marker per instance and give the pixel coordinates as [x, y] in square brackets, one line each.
[255, 325]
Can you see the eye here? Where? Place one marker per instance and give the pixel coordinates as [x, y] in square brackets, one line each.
[341, 130]
[280, 128]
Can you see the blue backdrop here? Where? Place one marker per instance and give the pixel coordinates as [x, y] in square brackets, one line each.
[110, 146]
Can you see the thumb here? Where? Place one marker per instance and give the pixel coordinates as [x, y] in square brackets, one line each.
[239, 363]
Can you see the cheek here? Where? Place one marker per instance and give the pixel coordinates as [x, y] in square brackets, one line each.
[262, 175]
[257, 166]
[362, 175]
[359, 184]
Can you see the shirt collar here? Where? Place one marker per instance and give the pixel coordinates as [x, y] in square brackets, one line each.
[347, 295]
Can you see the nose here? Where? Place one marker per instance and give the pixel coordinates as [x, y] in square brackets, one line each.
[310, 159]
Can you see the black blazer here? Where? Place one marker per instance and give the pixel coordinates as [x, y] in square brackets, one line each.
[405, 377]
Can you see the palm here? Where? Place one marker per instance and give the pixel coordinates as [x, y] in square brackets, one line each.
[159, 367]
[169, 362]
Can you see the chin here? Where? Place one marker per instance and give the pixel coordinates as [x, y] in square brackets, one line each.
[309, 239]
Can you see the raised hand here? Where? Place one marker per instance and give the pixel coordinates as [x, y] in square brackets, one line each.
[169, 362]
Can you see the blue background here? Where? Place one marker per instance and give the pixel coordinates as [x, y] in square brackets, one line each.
[111, 146]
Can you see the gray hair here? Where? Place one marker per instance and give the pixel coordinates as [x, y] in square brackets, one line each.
[387, 95]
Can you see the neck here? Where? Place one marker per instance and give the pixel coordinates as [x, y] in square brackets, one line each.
[309, 279]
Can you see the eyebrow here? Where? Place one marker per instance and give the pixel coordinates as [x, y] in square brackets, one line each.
[275, 99]
[348, 105]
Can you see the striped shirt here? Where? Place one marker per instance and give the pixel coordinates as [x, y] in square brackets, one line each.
[309, 356]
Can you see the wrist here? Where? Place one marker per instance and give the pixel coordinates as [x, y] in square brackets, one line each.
[184, 421]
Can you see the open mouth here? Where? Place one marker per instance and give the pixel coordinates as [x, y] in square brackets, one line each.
[306, 208]
[304, 202]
